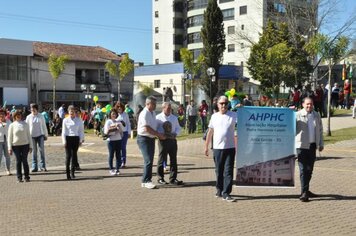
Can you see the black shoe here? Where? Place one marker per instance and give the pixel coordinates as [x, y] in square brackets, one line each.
[162, 182]
[19, 181]
[310, 194]
[72, 176]
[304, 197]
[27, 180]
[176, 182]
[69, 178]
[34, 170]
[44, 169]
[218, 194]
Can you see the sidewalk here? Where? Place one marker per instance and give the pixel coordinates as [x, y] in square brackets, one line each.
[99, 204]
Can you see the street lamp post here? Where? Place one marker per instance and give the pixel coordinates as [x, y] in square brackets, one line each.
[211, 72]
[88, 92]
[185, 76]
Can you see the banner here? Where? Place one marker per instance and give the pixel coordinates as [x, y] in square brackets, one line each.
[266, 149]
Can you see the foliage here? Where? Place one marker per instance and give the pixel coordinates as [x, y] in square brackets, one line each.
[276, 61]
[331, 51]
[213, 37]
[120, 70]
[56, 65]
[191, 67]
[146, 89]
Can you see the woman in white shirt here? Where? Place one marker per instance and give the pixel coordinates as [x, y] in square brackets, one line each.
[19, 141]
[72, 138]
[114, 130]
[4, 126]
[123, 117]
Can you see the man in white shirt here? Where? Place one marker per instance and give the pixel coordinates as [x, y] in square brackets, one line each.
[169, 145]
[309, 138]
[39, 134]
[222, 130]
[146, 133]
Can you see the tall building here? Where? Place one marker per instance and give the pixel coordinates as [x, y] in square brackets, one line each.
[177, 24]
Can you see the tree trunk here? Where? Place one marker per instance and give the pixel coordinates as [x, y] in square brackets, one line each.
[328, 130]
[54, 98]
[118, 89]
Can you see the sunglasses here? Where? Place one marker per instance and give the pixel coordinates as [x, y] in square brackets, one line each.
[223, 103]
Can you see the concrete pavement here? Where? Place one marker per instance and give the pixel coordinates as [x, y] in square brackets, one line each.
[98, 204]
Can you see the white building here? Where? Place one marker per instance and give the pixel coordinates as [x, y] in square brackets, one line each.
[177, 24]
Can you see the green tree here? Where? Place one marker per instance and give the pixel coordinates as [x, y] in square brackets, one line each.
[330, 50]
[120, 70]
[56, 65]
[191, 67]
[276, 61]
[213, 37]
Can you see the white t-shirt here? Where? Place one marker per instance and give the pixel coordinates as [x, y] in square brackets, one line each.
[161, 118]
[115, 135]
[146, 118]
[224, 127]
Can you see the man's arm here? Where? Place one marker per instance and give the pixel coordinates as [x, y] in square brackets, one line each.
[208, 140]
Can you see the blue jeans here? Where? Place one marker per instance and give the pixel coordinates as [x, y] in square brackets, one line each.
[224, 168]
[21, 153]
[306, 160]
[4, 150]
[147, 147]
[38, 142]
[124, 139]
[114, 149]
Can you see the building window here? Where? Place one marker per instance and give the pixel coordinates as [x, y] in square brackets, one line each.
[13, 68]
[156, 30]
[194, 38]
[195, 21]
[102, 75]
[156, 83]
[242, 27]
[231, 48]
[156, 46]
[242, 64]
[196, 53]
[178, 39]
[243, 10]
[222, 1]
[197, 4]
[229, 14]
[176, 56]
[242, 45]
[230, 29]
[156, 61]
[231, 63]
[156, 14]
[223, 84]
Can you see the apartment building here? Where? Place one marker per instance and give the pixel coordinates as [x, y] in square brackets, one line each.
[177, 24]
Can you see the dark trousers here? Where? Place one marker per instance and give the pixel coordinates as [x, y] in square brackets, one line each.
[204, 124]
[192, 124]
[114, 149]
[167, 147]
[21, 153]
[306, 160]
[224, 168]
[147, 148]
[71, 154]
[124, 139]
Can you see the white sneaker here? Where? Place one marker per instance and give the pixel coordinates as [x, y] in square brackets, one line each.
[112, 172]
[148, 185]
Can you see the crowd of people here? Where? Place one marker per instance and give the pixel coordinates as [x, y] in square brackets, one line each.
[22, 133]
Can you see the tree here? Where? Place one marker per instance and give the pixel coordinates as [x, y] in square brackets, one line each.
[56, 65]
[330, 50]
[275, 61]
[120, 71]
[191, 67]
[213, 37]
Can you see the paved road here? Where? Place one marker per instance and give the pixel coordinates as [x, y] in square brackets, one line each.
[98, 204]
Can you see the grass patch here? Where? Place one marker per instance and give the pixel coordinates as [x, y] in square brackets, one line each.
[340, 135]
[339, 112]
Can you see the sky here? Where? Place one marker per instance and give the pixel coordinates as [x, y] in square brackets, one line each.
[118, 25]
[122, 26]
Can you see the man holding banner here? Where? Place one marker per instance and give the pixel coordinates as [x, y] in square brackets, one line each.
[222, 129]
[309, 138]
